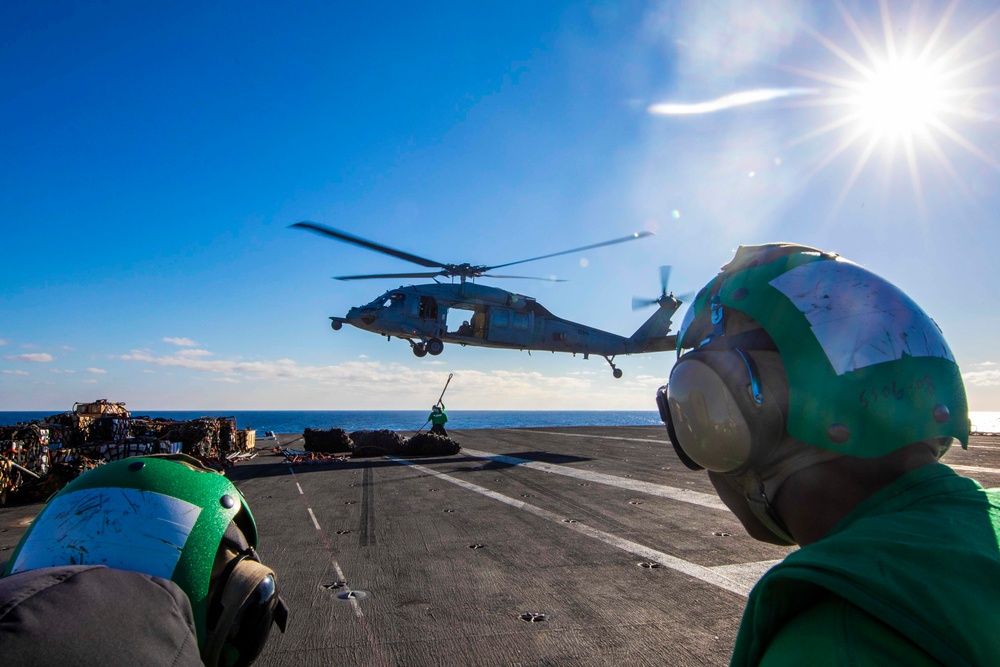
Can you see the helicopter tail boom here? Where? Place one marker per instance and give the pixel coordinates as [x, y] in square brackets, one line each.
[654, 334]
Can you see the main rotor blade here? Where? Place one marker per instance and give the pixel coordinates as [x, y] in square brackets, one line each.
[371, 245]
[631, 237]
[391, 275]
[551, 280]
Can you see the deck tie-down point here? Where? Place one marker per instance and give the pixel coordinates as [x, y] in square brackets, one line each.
[352, 595]
[533, 617]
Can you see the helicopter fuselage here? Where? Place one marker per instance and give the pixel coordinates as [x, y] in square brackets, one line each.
[496, 318]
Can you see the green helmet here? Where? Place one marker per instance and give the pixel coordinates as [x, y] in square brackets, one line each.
[868, 371]
[169, 517]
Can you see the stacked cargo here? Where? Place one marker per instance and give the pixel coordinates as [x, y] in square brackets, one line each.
[40, 457]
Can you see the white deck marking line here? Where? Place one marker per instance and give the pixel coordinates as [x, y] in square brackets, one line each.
[973, 468]
[584, 435]
[747, 571]
[326, 545]
[684, 495]
[301, 492]
[341, 577]
[740, 586]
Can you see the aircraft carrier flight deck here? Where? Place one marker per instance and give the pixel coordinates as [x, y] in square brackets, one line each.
[541, 546]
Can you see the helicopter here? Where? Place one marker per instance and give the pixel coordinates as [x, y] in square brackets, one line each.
[492, 317]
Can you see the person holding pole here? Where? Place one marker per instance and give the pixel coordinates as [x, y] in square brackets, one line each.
[438, 419]
[437, 416]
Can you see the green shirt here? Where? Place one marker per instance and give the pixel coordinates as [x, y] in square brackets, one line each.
[438, 418]
[911, 576]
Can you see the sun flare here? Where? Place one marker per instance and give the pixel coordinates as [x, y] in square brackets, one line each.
[911, 95]
[900, 99]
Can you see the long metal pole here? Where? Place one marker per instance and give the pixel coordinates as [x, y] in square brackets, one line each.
[445, 389]
[440, 398]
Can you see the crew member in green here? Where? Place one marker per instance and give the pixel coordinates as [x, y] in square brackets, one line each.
[156, 556]
[820, 398]
[438, 419]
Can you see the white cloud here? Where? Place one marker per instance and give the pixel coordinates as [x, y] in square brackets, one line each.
[366, 384]
[987, 377]
[730, 101]
[90, 382]
[6, 372]
[34, 357]
[180, 342]
[95, 371]
[369, 373]
[3, 341]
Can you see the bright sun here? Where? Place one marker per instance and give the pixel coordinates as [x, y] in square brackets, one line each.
[900, 99]
[907, 97]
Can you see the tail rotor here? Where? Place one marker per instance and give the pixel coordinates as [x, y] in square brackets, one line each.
[666, 296]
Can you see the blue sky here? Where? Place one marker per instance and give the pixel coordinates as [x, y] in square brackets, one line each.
[156, 153]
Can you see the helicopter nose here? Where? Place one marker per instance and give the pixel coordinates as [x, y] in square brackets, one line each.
[365, 315]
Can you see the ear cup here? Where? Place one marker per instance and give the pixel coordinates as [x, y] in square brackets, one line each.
[723, 411]
[244, 603]
[663, 406]
[239, 587]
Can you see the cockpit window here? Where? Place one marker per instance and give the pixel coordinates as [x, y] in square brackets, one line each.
[395, 300]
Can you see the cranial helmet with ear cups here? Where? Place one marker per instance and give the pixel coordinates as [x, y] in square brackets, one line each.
[789, 343]
[868, 371]
[170, 517]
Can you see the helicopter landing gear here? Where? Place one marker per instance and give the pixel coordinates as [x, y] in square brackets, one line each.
[615, 371]
[435, 346]
[419, 350]
[336, 326]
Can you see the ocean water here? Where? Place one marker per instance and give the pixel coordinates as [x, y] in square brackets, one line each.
[296, 421]
[985, 422]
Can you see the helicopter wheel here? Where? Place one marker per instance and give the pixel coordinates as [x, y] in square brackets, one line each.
[419, 350]
[435, 346]
[336, 326]
[617, 373]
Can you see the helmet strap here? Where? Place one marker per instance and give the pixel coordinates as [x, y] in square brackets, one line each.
[760, 505]
[761, 485]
